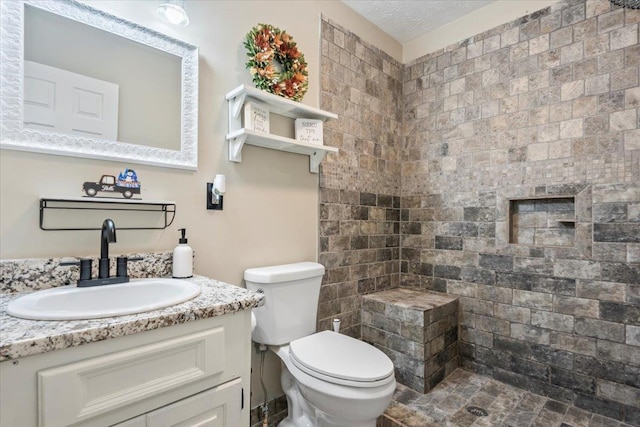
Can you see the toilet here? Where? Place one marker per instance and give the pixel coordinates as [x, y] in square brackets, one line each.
[330, 379]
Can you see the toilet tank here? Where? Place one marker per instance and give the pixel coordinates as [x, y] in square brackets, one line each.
[291, 301]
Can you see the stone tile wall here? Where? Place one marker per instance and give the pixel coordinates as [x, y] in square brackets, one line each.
[359, 246]
[360, 186]
[546, 105]
[278, 411]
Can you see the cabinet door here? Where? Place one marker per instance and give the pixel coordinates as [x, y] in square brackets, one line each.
[220, 406]
[102, 384]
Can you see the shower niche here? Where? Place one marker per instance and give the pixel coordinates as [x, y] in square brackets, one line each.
[543, 221]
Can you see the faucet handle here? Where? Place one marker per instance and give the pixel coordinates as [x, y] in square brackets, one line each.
[122, 265]
[85, 267]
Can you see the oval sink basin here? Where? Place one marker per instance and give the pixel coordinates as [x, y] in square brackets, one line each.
[72, 303]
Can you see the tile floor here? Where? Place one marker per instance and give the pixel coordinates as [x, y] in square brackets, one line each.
[507, 406]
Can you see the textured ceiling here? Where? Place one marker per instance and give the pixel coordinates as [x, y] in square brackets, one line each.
[405, 20]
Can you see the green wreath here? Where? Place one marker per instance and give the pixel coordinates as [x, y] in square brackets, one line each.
[276, 64]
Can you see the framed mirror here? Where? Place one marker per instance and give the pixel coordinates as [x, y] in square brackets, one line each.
[77, 81]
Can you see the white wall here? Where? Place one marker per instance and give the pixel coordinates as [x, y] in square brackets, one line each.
[270, 211]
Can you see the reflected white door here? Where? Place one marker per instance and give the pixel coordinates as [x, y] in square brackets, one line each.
[62, 101]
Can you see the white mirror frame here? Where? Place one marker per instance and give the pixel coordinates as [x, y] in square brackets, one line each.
[16, 137]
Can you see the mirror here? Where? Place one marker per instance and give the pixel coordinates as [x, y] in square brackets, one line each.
[80, 82]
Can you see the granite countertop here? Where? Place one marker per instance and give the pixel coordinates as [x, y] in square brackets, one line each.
[20, 337]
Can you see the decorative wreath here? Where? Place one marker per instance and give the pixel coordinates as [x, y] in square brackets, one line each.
[276, 64]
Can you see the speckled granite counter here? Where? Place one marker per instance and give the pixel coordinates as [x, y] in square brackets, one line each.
[20, 338]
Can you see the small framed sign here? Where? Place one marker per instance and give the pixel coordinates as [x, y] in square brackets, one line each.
[309, 130]
[256, 117]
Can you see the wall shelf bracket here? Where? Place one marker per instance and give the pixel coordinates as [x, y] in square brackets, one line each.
[236, 104]
[315, 159]
[235, 147]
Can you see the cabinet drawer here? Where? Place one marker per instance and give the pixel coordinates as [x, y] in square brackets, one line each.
[218, 407]
[78, 391]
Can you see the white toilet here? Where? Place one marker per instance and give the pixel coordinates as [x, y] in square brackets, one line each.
[330, 379]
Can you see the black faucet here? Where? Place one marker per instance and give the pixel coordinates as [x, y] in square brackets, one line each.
[108, 236]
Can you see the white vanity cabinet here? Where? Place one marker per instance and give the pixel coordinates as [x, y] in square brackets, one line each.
[192, 374]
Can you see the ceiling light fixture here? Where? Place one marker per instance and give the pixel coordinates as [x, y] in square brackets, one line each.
[173, 12]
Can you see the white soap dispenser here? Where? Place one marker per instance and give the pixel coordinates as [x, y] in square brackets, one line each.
[182, 258]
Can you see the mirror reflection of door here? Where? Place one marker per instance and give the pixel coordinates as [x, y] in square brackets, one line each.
[147, 81]
[62, 101]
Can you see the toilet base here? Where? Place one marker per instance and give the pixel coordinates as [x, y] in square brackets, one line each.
[287, 423]
[303, 414]
[325, 423]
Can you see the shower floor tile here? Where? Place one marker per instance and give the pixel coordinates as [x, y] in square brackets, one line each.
[505, 406]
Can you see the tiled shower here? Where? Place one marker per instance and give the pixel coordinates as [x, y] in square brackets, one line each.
[503, 170]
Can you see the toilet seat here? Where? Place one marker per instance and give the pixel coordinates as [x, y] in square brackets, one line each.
[340, 359]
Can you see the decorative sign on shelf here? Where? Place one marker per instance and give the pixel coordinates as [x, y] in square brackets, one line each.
[256, 117]
[126, 185]
[309, 130]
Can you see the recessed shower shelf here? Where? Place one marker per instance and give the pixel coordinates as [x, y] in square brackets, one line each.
[238, 136]
[543, 221]
[166, 209]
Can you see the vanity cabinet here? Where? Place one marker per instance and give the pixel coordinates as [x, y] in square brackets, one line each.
[192, 374]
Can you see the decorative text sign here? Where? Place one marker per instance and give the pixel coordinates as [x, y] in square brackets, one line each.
[256, 117]
[309, 130]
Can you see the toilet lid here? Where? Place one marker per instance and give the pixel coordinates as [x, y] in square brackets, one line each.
[341, 357]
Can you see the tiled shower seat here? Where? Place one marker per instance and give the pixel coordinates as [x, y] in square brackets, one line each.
[417, 330]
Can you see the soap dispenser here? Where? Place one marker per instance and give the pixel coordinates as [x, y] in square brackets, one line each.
[182, 258]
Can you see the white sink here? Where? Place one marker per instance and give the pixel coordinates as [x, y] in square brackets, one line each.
[72, 303]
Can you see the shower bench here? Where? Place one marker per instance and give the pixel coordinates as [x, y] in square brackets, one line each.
[418, 330]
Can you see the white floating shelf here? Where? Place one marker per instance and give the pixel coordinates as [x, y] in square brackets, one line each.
[243, 136]
[239, 136]
[276, 104]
